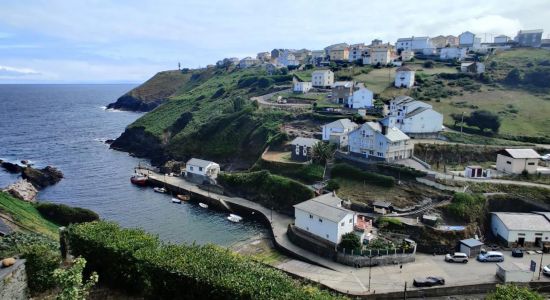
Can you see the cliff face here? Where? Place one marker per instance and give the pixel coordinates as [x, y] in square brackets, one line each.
[153, 92]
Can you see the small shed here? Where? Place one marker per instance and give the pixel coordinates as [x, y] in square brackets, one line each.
[471, 247]
[514, 272]
[382, 207]
[473, 172]
[430, 220]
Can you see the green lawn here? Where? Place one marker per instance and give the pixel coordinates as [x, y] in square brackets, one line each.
[465, 138]
[377, 80]
[25, 216]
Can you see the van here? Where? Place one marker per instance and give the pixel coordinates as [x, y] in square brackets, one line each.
[491, 256]
[457, 257]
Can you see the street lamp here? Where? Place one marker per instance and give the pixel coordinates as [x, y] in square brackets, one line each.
[370, 267]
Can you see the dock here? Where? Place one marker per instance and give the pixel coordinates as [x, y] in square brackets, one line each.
[277, 222]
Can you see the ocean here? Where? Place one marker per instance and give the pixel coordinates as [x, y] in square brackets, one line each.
[65, 126]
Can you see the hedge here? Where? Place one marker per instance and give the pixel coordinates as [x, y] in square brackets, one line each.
[343, 170]
[140, 264]
[267, 189]
[65, 215]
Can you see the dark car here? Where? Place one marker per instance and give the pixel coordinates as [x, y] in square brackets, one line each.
[517, 252]
[428, 281]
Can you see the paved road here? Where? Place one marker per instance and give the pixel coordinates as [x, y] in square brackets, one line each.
[264, 101]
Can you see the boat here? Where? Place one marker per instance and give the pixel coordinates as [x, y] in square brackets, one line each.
[159, 190]
[234, 218]
[203, 205]
[183, 197]
[139, 179]
[176, 200]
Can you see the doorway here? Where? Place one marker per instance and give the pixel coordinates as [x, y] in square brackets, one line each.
[521, 241]
[538, 241]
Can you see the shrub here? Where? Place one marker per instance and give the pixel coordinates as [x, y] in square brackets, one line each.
[468, 207]
[513, 77]
[218, 93]
[483, 119]
[513, 292]
[332, 185]
[350, 241]
[350, 172]
[42, 261]
[428, 64]
[141, 263]
[399, 171]
[65, 215]
[71, 282]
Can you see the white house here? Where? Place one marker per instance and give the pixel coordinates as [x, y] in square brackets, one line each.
[466, 40]
[413, 117]
[322, 78]
[299, 86]
[380, 54]
[415, 44]
[404, 77]
[374, 141]
[356, 52]
[521, 229]
[287, 59]
[324, 217]
[199, 170]
[263, 56]
[337, 132]
[248, 62]
[407, 55]
[451, 53]
[361, 98]
[515, 161]
[501, 39]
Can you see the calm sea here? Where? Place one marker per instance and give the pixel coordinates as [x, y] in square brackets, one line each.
[65, 126]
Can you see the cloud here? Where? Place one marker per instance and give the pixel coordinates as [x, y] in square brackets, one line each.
[6, 71]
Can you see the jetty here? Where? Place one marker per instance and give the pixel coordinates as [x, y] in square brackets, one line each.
[277, 222]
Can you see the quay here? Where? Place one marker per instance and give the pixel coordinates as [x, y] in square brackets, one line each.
[277, 222]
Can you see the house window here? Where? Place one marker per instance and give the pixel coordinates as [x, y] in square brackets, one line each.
[310, 216]
[350, 221]
[191, 168]
[342, 224]
[531, 163]
[200, 169]
[297, 150]
[305, 151]
[521, 234]
[508, 162]
[320, 220]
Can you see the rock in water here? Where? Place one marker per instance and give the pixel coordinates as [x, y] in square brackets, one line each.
[42, 178]
[22, 189]
[12, 168]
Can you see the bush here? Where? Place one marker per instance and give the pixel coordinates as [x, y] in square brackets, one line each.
[64, 215]
[483, 119]
[513, 77]
[468, 207]
[332, 185]
[42, 261]
[428, 64]
[513, 292]
[350, 241]
[263, 187]
[350, 172]
[399, 171]
[218, 93]
[139, 263]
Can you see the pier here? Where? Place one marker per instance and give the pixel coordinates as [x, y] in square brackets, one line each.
[277, 222]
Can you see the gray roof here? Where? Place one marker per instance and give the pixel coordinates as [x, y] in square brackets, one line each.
[324, 206]
[416, 111]
[199, 162]
[514, 266]
[471, 243]
[343, 123]
[393, 134]
[530, 31]
[403, 69]
[523, 221]
[522, 153]
[302, 141]
[403, 99]
[381, 204]
[343, 83]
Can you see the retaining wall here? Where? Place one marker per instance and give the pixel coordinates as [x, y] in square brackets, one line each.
[13, 282]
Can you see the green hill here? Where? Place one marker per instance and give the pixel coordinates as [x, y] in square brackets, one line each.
[25, 216]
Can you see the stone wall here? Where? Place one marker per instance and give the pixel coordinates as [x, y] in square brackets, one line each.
[364, 261]
[13, 282]
[307, 241]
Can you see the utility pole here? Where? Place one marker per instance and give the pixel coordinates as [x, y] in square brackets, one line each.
[462, 122]
[541, 256]
[405, 292]
[370, 267]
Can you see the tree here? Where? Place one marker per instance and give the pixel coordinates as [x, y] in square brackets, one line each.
[484, 119]
[513, 292]
[513, 77]
[332, 185]
[238, 104]
[350, 241]
[71, 282]
[428, 64]
[321, 152]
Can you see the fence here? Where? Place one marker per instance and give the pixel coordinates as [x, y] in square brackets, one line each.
[377, 257]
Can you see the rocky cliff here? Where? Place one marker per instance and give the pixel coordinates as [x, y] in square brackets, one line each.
[153, 92]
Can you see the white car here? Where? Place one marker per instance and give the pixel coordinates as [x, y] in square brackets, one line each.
[546, 270]
[545, 157]
[457, 257]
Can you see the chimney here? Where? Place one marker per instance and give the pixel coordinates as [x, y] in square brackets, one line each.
[384, 129]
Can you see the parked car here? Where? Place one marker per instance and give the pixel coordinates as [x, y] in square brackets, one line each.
[428, 281]
[546, 270]
[545, 157]
[457, 257]
[517, 252]
[491, 256]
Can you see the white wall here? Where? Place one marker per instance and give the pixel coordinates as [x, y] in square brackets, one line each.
[466, 39]
[425, 122]
[320, 229]
[302, 87]
[498, 228]
[362, 98]
[512, 236]
[516, 165]
[404, 78]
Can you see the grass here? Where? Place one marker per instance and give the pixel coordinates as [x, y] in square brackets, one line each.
[531, 118]
[377, 80]
[25, 216]
[466, 138]
[518, 58]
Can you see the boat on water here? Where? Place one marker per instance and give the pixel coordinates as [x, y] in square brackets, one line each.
[176, 200]
[159, 190]
[203, 205]
[234, 218]
[183, 197]
[139, 179]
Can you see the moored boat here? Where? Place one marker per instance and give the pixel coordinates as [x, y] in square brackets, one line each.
[176, 200]
[159, 190]
[203, 205]
[183, 197]
[234, 218]
[139, 179]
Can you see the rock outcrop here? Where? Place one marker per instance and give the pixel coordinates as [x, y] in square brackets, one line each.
[11, 167]
[42, 178]
[22, 189]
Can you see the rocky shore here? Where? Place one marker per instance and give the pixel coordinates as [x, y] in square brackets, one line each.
[33, 179]
[22, 189]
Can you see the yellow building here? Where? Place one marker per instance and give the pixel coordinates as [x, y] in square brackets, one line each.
[339, 54]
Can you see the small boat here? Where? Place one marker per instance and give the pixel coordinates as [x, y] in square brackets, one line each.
[159, 190]
[139, 179]
[203, 205]
[183, 197]
[176, 200]
[234, 218]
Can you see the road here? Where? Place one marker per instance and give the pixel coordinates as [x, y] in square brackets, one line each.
[264, 101]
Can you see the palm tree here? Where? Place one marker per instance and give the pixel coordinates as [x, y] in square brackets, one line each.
[322, 152]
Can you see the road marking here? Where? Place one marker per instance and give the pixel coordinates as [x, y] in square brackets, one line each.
[359, 281]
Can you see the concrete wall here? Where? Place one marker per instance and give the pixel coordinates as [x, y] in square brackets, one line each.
[516, 165]
[13, 282]
[364, 261]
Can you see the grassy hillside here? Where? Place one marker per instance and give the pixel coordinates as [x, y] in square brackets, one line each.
[25, 216]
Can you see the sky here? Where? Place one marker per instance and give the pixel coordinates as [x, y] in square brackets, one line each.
[98, 41]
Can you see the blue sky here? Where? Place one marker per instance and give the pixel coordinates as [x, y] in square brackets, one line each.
[101, 41]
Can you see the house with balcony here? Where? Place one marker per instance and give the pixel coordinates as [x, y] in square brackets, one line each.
[375, 141]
